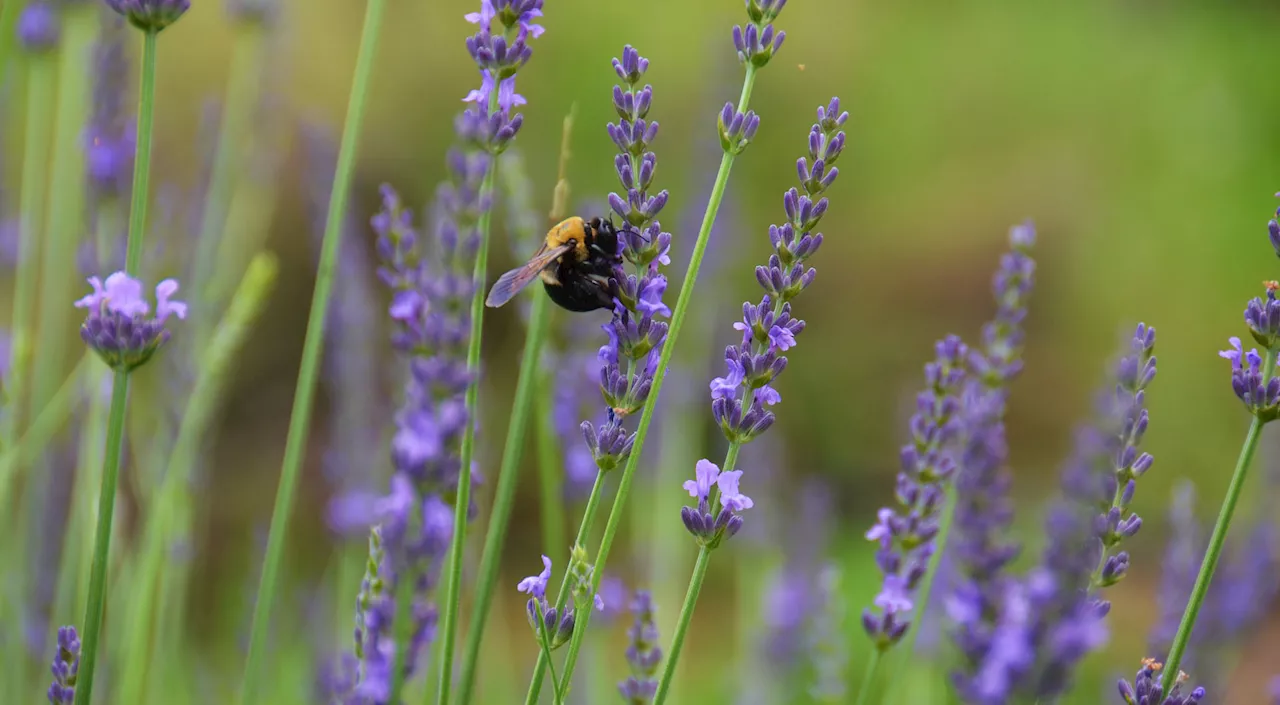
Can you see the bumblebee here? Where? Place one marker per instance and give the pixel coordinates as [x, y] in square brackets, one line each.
[574, 263]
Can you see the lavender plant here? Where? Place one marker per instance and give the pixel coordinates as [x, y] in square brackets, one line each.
[1146, 689]
[643, 653]
[66, 667]
[756, 45]
[1254, 383]
[740, 399]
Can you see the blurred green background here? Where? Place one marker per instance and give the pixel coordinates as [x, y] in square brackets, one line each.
[1139, 136]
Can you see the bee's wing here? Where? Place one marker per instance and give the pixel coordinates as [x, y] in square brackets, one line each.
[510, 284]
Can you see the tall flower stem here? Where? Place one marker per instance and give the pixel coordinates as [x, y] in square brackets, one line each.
[66, 205]
[243, 81]
[508, 473]
[102, 538]
[690, 600]
[119, 387]
[550, 475]
[309, 368]
[35, 181]
[1219, 536]
[646, 416]
[584, 530]
[453, 588]
[869, 677]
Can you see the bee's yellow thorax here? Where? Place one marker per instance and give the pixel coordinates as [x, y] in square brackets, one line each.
[574, 229]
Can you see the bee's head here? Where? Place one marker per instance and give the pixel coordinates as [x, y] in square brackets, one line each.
[605, 240]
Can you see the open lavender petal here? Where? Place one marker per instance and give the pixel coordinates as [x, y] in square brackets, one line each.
[120, 327]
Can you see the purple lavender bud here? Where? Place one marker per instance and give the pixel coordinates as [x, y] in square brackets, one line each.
[736, 129]
[1262, 315]
[631, 67]
[150, 15]
[1248, 380]
[66, 665]
[1273, 232]
[38, 27]
[118, 326]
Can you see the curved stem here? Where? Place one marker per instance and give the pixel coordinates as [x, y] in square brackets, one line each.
[309, 368]
[869, 677]
[682, 626]
[584, 530]
[1216, 540]
[660, 375]
[453, 586]
[102, 539]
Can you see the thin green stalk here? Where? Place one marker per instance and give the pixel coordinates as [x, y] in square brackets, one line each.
[682, 625]
[922, 598]
[35, 181]
[550, 477]
[73, 570]
[690, 597]
[584, 530]
[868, 677]
[531, 374]
[8, 33]
[309, 368]
[453, 586]
[673, 333]
[1219, 536]
[102, 539]
[66, 204]
[505, 494]
[142, 158]
[243, 83]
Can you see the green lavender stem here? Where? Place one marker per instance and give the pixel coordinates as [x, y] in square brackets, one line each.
[102, 538]
[8, 32]
[309, 368]
[1219, 536]
[660, 375]
[584, 530]
[243, 84]
[119, 388]
[550, 474]
[690, 597]
[556, 685]
[682, 625]
[505, 494]
[869, 677]
[35, 181]
[453, 588]
[531, 374]
[66, 203]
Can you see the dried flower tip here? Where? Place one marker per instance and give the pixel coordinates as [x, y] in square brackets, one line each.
[150, 15]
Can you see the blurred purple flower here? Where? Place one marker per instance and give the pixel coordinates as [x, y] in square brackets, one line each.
[38, 27]
[907, 533]
[643, 653]
[66, 665]
[980, 547]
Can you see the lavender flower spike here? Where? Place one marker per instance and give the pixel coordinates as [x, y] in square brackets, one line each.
[740, 400]
[637, 331]
[643, 653]
[150, 15]
[541, 612]
[118, 326]
[66, 664]
[1146, 688]
[979, 540]
[906, 534]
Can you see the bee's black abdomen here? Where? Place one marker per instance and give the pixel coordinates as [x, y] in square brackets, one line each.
[579, 294]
